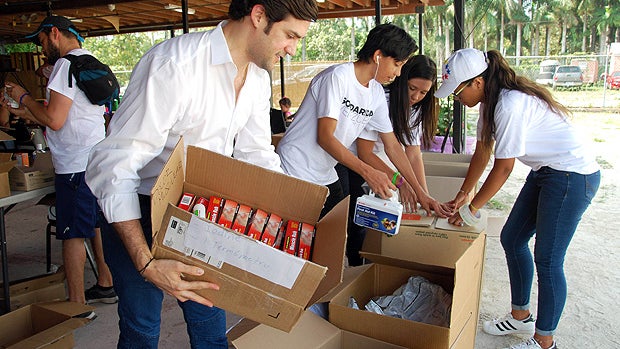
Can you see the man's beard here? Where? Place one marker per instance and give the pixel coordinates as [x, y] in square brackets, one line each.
[53, 54]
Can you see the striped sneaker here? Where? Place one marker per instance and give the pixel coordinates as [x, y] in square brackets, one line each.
[508, 325]
[530, 344]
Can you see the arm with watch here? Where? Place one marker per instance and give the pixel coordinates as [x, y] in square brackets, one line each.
[495, 180]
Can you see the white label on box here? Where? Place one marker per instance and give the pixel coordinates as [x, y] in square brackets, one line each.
[242, 252]
[175, 239]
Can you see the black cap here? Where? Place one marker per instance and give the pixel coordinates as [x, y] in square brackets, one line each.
[54, 21]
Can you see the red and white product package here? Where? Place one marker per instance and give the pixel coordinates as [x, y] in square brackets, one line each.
[271, 230]
[228, 213]
[257, 224]
[214, 208]
[200, 207]
[291, 237]
[241, 220]
[187, 201]
[306, 237]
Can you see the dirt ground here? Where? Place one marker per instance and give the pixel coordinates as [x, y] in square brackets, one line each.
[592, 306]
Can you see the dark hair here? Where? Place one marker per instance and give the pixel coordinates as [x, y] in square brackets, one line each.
[500, 76]
[285, 101]
[393, 42]
[276, 10]
[423, 67]
[66, 33]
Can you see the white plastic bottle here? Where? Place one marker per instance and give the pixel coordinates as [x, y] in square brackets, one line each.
[200, 209]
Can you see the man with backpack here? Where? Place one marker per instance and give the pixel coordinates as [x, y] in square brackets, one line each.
[74, 125]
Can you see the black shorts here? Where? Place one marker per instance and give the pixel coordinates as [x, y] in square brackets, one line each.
[76, 207]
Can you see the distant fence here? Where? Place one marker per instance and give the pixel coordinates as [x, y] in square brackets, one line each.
[593, 66]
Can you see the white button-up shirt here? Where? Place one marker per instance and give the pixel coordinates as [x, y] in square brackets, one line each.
[181, 87]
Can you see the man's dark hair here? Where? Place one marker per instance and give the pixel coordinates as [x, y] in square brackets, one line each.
[276, 10]
[393, 42]
[64, 32]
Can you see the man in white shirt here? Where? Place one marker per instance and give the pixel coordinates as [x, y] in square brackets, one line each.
[213, 89]
[74, 125]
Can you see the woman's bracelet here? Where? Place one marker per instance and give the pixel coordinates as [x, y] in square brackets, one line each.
[141, 271]
[474, 207]
[468, 217]
[21, 98]
[462, 191]
[400, 182]
[394, 177]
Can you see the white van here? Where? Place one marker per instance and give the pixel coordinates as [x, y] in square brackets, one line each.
[547, 69]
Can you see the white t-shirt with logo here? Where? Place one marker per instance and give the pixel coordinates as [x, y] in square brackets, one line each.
[379, 148]
[526, 129]
[333, 93]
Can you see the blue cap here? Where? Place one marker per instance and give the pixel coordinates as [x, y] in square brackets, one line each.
[54, 21]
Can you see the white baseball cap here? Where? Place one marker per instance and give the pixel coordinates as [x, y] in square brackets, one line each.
[461, 66]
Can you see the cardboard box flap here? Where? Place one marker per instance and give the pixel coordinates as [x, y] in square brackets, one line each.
[311, 330]
[6, 166]
[348, 276]
[5, 137]
[440, 248]
[70, 309]
[50, 335]
[377, 258]
[328, 251]
[214, 170]
[469, 264]
[167, 187]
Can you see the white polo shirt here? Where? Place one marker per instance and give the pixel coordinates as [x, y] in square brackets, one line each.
[182, 87]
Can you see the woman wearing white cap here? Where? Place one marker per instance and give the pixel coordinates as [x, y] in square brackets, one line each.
[520, 119]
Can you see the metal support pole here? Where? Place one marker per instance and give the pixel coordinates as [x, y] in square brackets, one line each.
[377, 12]
[185, 19]
[420, 10]
[458, 132]
[282, 77]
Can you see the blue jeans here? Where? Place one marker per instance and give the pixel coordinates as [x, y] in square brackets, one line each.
[140, 302]
[550, 205]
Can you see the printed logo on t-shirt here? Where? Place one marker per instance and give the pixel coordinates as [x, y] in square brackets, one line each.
[355, 113]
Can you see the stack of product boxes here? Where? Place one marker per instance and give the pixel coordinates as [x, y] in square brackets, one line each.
[292, 237]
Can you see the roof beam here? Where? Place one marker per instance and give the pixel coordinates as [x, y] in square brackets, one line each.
[9, 8]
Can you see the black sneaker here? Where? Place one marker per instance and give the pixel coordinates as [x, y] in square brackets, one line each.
[89, 315]
[100, 294]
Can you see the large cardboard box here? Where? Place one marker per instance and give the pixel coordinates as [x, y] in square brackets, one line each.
[310, 332]
[256, 281]
[451, 259]
[44, 288]
[42, 325]
[39, 175]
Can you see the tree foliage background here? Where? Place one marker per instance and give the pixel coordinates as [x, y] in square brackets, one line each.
[514, 27]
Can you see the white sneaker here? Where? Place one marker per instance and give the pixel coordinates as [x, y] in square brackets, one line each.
[508, 325]
[530, 344]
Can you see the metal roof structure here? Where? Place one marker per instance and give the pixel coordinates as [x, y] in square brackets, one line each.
[107, 17]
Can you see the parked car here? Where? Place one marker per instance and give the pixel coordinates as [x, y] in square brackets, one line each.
[547, 69]
[567, 76]
[613, 80]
